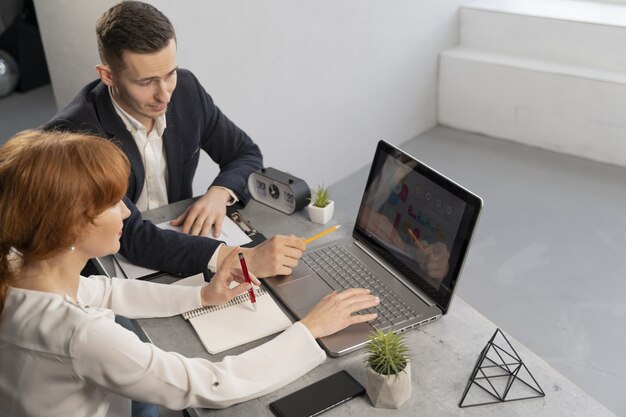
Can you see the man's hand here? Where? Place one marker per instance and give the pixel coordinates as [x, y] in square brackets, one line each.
[206, 212]
[433, 259]
[218, 290]
[276, 256]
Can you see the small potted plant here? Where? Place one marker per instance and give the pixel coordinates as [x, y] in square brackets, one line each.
[321, 207]
[388, 369]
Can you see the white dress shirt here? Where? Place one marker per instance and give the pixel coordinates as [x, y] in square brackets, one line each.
[150, 145]
[61, 357]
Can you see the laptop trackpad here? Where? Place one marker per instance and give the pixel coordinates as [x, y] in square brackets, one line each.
[305, 292]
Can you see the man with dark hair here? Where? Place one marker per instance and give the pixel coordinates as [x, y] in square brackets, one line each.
[161, 117]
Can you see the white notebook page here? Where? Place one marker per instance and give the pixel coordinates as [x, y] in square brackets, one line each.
[224, 327]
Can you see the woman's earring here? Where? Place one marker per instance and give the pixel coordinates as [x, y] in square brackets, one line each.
[73, 248]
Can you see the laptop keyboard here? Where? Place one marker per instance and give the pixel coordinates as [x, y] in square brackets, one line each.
[349, 272]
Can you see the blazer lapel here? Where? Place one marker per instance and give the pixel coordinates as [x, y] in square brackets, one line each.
[173, 153]
[116, 131]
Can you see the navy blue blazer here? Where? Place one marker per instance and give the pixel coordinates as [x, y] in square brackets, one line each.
[194, 122]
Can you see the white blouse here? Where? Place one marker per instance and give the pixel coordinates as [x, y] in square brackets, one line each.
[59, 357]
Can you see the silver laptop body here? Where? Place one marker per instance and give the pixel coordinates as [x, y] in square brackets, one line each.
[410, 239]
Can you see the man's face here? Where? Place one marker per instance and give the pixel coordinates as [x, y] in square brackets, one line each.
[144, 86]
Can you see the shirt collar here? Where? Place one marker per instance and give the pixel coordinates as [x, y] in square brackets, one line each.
[133, 125]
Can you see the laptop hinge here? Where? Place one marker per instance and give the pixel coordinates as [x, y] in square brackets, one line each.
[400, 278]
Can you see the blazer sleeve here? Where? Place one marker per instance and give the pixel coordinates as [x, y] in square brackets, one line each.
[229, 146]
[145, 244]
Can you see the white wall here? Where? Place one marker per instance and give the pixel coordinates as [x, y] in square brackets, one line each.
[68, 35]
[314, 82]
[546, 73]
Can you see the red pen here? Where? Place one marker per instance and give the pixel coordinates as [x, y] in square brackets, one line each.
[244, 268]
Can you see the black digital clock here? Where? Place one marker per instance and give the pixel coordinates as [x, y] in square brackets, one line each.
[279, 190]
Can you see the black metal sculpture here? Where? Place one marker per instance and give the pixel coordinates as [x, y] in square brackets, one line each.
[499, 375]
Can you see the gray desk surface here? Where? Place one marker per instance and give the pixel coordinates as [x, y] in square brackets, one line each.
[443, 353]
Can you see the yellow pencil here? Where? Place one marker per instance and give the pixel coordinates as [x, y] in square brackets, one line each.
[324, 233]
[419, 244]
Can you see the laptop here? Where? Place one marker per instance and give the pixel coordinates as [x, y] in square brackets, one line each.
[411, 236]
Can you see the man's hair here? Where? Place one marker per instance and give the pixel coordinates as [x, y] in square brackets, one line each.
[52, 185]
[131, 26]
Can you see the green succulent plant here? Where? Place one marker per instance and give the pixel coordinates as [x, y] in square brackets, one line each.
[387, 353]
[321, 196]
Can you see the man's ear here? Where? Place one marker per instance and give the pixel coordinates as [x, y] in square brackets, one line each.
[105, 74]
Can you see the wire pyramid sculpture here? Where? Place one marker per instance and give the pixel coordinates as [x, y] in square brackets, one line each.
[499, 375]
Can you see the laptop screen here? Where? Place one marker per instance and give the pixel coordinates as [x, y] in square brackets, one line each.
[418, 221]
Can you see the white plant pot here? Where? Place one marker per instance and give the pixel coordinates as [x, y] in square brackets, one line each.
[321, 215]
[388, 391]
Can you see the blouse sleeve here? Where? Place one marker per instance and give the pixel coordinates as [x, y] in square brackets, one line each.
[138, 299]
[117, 360]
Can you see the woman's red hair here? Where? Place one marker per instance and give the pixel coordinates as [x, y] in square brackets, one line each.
[52, 184]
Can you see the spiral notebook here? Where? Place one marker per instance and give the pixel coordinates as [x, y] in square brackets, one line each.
[222, 327]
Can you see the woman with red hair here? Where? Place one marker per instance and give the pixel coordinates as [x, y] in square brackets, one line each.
[61, 353]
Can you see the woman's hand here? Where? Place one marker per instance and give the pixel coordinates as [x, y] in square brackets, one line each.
[221, 289]
[335, 311]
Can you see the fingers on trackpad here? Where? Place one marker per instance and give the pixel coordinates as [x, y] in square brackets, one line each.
[305, 292]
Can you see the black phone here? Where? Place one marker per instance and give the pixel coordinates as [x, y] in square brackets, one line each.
[319, 396]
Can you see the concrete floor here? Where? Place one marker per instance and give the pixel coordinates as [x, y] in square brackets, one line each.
[547, 262]
[20, 111]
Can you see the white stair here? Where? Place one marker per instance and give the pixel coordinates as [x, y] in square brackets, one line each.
[547, 73]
